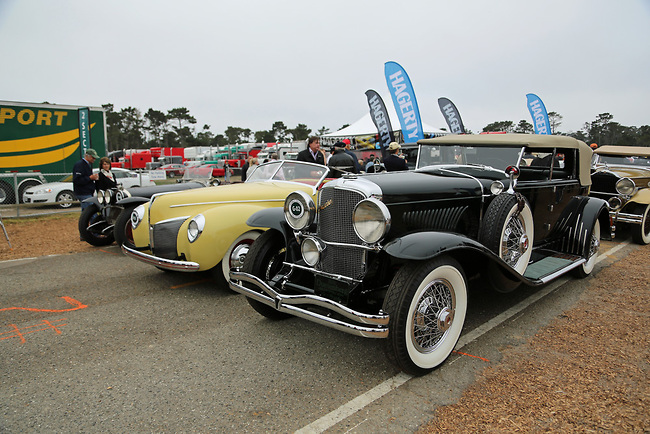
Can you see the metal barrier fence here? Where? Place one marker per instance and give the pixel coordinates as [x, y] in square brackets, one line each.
[17, 201]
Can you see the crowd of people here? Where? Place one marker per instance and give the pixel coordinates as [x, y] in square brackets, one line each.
[342, 159]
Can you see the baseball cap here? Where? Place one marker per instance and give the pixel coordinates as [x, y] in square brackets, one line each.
[92, 153]
[393, 145]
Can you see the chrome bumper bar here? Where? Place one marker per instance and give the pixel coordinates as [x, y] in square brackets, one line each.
[360, 324]
[167, 264]
[621, 217]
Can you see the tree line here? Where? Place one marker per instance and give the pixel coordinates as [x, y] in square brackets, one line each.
[129, 128]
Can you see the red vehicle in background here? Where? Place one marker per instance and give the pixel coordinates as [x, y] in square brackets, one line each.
[172, 170]
[218, 169]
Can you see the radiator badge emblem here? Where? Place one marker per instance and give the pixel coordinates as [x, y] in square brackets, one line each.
[325, 205]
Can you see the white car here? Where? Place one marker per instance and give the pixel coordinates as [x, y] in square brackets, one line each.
[62, 194]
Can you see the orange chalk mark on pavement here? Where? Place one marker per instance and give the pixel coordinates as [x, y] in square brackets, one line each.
[112, 253]
[469, 355]
[78, 305]
[19, 333]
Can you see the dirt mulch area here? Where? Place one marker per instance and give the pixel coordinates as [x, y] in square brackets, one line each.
[52, 235]
[588, 371]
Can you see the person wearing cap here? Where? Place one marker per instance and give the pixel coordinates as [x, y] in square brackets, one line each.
[357, 166]
[393, 162]
[83, 178]
[340, 159]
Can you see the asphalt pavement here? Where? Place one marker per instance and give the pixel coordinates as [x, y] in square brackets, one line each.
[99, 342]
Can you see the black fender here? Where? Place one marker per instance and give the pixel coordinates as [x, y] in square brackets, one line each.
[575, 226]
[133, 200]
[94, 201]
[272, 218]
[427, 245]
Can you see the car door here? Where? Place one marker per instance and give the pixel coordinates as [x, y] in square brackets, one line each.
[548, 180]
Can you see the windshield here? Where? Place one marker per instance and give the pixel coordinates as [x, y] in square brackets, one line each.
[295, 171]
[198, 173]
[622, 159]
[498, 157]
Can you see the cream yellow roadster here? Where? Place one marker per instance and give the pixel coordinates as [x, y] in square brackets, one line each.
[205, 228]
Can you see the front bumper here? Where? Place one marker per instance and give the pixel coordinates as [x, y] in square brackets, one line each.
[351, 321]
[166, 264]
[38, 198]
[622, 217]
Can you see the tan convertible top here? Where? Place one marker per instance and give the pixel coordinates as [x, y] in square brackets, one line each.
[625, 151]
[518, 140]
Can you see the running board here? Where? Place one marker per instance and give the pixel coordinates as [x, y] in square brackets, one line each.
[549, 267]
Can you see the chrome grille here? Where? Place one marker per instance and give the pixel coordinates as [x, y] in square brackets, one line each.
[335, 225]
[164, 238]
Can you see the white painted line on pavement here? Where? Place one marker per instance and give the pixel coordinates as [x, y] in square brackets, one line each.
[351, 407]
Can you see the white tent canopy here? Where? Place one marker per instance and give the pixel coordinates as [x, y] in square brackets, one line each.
[365, 127]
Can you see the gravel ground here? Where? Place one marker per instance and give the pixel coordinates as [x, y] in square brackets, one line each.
[52, 235]
[587, 371]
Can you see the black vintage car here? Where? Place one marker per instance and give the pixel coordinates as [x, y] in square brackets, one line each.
[388, 255]
[108, 217]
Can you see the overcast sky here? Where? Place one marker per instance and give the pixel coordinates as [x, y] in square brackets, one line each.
[251, 63]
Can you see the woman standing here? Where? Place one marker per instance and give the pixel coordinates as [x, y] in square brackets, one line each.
[106, 178]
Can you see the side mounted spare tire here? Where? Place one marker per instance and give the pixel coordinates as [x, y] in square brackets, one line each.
[508, 231]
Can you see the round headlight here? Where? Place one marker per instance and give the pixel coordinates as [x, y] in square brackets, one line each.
[311, 250]
[371, 220]
[614, 203]
[137, 215]
[122, 194]
[496, 187]
[195, 227]
[625, 186]
[299, 210]
[101, 197]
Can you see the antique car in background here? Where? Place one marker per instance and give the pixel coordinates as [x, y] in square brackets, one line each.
[61, 193]
[206, 229]
[388, 255]
[108, 218]
[621, 176]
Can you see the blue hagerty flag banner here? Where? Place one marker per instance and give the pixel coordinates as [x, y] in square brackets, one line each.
[538, 112]
[452, 116]
[380, 118]
[404, 100]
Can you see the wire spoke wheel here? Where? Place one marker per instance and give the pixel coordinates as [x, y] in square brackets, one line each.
[433, 314]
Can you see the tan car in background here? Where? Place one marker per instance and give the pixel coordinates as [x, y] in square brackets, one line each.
[621, 176]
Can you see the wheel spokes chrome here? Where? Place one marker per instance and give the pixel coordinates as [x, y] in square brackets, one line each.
[434, 314]
[514, 242]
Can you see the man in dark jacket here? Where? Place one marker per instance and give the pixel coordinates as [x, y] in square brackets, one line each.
[83, 178]
[340, 159]
[393, 162]
[313, 153]
[357, 166]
